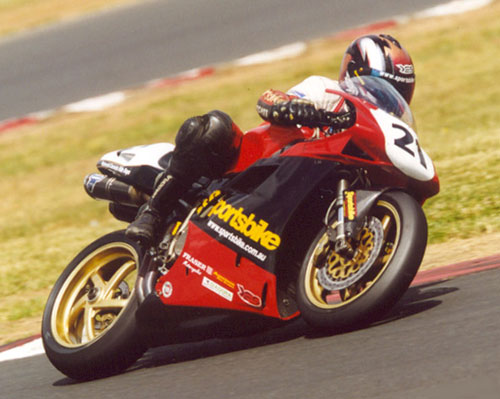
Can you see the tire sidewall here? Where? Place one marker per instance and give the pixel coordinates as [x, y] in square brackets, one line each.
[389, 287]
[107, 354]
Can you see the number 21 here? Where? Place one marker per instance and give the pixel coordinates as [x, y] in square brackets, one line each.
[406, 141]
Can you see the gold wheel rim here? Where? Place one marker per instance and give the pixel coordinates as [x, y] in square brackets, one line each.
[94, 294]
[321, 298]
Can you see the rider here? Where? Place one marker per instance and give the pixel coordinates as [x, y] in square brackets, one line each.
[208, 145]
[306, 103]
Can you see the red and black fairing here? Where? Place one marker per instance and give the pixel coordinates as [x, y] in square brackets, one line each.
[236, 248]
[236, 238]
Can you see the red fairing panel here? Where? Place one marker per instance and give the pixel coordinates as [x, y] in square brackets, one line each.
[208, 274]
[263, 141]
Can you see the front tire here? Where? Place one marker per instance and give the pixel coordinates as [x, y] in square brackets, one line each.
[89, 327]
[336, 293]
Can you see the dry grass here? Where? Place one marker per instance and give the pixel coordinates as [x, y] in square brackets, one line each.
[45, 216]
[20, 15]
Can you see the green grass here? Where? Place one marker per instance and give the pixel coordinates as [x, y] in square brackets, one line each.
[46, 217]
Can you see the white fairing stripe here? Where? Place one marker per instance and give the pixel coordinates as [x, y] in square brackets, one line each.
[402, 147]
[148, 154]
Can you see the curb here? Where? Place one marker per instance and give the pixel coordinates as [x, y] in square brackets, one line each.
[33, 346]
[105, 101]
[21, 342]
[457, 269]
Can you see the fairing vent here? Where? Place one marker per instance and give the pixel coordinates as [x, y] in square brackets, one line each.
[353, 150]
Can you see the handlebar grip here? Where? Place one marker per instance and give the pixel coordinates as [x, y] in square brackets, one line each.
[339, 120]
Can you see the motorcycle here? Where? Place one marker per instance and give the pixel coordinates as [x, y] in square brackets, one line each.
[331, 230]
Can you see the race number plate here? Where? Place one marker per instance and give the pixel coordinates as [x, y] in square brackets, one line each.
[402, 147]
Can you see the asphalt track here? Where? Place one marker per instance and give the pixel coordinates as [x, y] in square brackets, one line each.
[125, 47]
[440, 341]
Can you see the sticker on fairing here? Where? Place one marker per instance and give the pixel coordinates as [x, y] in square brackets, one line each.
[402, 147]
[217, 289]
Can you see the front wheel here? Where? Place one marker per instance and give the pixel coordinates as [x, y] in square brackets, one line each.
[89, 326]
[337, 293]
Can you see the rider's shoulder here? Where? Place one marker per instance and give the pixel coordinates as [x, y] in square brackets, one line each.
[316, 82]
[319, 78]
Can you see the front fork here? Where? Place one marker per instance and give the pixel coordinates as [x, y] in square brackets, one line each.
[352, 208]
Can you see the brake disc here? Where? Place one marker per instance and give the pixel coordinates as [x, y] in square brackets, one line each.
[340, 272]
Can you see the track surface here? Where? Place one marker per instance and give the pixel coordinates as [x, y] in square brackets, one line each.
[441, 341]
[125, 47]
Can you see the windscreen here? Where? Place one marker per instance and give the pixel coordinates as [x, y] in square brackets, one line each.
[380, 93]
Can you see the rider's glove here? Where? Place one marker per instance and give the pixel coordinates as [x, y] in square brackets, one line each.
[277, 107]
[299, 112]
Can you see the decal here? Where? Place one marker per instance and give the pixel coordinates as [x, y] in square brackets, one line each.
[224, 280]
[396, 78]
[272, 97]
[167, 289]
[405, 69]
[249, 297]
[245, 224]
[196, 265]
[92, 180]
[217, 289]
[191, 268]
[242, 223]
[208, 200]
[237, 241]
[405, 141]
[350, 210]
[402, 147]
[117, 168]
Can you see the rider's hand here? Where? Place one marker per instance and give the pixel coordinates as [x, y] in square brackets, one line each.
[303, 112]
[338, 121]
[295, 112]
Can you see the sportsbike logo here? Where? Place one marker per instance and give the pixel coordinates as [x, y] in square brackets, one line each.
[242, 223]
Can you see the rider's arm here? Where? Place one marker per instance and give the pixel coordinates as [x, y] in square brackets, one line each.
[284, 109]
[268, 105]
[277, 107]
[307, 104]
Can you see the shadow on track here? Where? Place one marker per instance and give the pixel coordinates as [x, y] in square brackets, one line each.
[416, 300]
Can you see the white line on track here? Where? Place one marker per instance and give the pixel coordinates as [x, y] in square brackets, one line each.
[31, 348]
[35, 347]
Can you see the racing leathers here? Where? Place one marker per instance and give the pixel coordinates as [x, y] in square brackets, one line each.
[206, 145]
[311, 103]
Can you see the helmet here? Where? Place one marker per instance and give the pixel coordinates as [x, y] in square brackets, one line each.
[382, 56]
[206, 145]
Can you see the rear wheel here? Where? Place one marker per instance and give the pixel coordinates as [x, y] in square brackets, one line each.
[89, 327]
[335, 292]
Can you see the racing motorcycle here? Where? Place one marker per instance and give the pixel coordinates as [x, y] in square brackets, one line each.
[330, 230]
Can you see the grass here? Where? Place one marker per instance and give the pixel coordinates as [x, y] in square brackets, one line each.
[20, 15]
[46, 218]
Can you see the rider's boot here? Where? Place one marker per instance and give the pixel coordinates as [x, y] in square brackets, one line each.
[149, 218]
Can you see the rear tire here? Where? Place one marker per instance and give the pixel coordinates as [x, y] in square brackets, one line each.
[89, 327]
[403, 236]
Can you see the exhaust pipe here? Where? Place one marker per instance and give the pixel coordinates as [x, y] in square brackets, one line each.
[106, 188]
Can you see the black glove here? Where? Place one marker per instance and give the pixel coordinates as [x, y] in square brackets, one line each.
[296, 112]
[337, 120]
